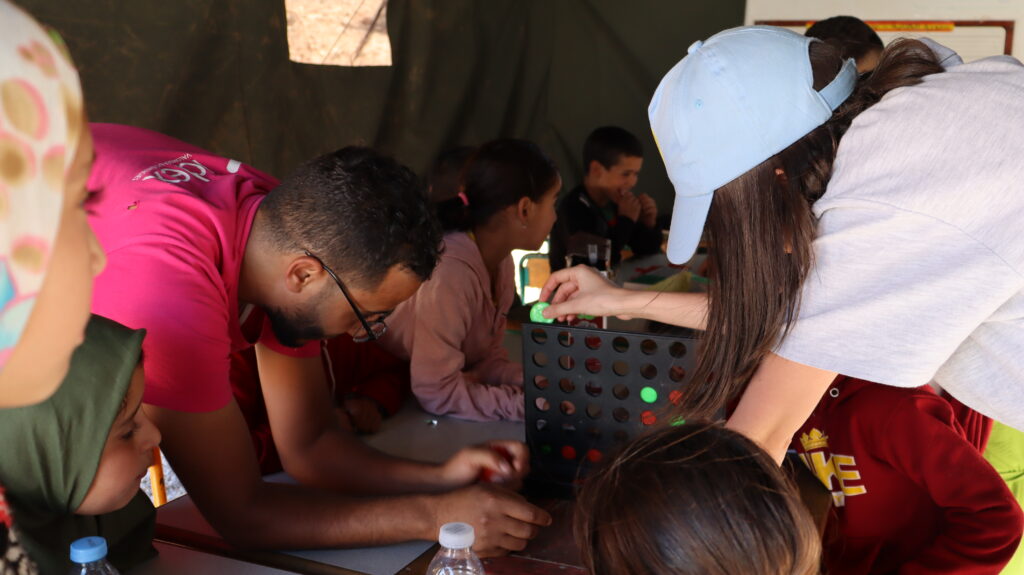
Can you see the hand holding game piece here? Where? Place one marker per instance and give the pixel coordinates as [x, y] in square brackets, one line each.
[537, 313]
[506, 462]
[487, 474]
[580, 290]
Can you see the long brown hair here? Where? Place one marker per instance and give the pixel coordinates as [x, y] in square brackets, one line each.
[694, 499]
[760, 228]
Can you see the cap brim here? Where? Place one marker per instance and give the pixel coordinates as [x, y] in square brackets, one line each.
[688, 216]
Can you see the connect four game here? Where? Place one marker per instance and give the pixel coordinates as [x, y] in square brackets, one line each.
[588, 391]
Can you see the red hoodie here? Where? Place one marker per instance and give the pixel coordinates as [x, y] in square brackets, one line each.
[911, 494]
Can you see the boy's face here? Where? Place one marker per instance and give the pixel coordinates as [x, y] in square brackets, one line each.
[126, 455]
[618, 179]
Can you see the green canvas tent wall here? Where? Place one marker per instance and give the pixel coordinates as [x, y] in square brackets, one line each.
[216, 73]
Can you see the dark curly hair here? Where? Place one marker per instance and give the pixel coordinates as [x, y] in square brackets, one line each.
[358, 210]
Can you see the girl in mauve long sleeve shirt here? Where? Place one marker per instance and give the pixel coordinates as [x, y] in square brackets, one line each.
[453, 329]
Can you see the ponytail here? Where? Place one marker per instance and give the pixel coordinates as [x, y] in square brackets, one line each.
[497, 175]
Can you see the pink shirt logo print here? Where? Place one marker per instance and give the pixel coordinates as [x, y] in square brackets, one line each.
[182, 169]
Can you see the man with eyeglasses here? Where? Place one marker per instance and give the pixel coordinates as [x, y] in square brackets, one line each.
[211, 257]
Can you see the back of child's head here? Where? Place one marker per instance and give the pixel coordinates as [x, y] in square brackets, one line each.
[694, 499]
[445, 180]
[607, 145]
[851, 35]
[497, 175]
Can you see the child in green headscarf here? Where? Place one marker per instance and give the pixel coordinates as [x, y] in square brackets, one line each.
[72, 463]
[48, 253]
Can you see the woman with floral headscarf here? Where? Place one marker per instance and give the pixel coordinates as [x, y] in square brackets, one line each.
[48, 253]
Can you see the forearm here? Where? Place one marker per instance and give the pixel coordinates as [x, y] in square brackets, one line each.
[779, 399]
[339, 461]
[682, 309]
[465, 396]
[280, 516]
[496, 368]
[503, 371]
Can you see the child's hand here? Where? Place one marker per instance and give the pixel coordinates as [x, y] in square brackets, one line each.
[365, 414]
[629, 205]
[501, 462]
[344, 419]
[648, 211]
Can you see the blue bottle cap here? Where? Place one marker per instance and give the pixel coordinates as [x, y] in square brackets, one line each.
[88, 549]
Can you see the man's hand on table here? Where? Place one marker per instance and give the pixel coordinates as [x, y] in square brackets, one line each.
[363, 414]
[503, 520]
[501, 462]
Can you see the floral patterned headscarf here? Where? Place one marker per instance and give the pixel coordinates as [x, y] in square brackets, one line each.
[40, 122]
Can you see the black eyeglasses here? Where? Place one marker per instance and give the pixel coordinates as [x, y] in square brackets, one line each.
[371, 330]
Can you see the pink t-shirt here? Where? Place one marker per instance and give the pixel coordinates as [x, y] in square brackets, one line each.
[174, 221]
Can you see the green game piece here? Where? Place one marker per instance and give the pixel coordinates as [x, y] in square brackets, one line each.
[585, 316]
[545, 449]
[677, 421]
[535, 313]
[649, 394]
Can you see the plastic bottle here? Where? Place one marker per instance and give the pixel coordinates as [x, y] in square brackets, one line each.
[456, 556]
[89, 555]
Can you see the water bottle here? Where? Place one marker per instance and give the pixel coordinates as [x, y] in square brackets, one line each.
[456, 556]
[89, 555]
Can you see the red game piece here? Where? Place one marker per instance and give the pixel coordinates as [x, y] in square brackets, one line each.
[487, 475]
[648, 418]
[675, 396]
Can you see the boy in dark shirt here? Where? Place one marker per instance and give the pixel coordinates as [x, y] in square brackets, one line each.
[604, 204]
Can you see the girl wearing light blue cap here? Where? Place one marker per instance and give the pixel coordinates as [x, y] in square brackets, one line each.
[865, 227]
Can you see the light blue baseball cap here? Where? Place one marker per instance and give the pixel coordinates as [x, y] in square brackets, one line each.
[731, 103]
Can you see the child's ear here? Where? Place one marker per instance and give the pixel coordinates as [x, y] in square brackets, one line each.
[524, 209]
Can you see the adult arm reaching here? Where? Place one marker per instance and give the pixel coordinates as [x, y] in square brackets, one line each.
[581, 290]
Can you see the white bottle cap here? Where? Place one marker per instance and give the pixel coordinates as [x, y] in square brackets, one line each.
[457, 535]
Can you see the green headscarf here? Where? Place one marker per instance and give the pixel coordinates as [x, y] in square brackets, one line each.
[51, 452]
